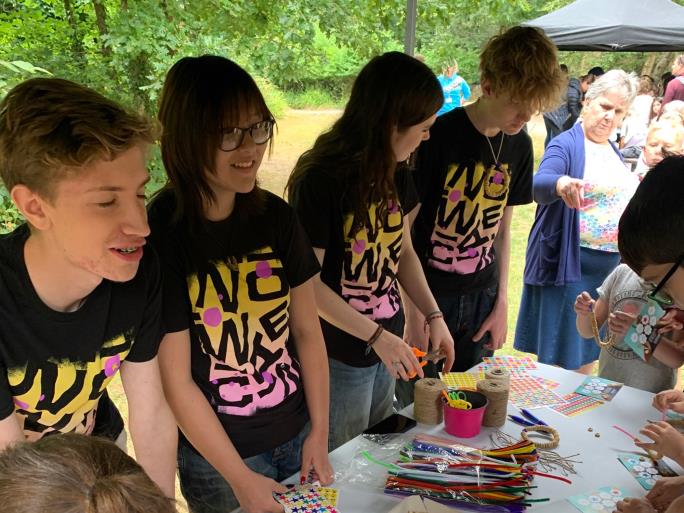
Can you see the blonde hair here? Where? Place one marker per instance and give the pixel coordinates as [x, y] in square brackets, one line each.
[523, 63]
[51, 128]
[76, 474]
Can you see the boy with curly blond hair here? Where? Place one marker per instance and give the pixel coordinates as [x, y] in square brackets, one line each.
[475, 168]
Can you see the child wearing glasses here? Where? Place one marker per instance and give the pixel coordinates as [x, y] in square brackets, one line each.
[243, 361]
[620, 304]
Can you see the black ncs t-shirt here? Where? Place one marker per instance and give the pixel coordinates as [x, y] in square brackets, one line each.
[463, 195]
[55, 366]
[230, 286]
[360, 265]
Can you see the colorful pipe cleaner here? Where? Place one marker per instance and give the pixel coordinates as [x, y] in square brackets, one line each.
[483, 480]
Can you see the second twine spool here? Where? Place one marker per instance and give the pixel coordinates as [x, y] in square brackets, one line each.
[497, 395]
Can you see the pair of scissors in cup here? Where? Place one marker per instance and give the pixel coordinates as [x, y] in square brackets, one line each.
[457, 399]
[529, 420]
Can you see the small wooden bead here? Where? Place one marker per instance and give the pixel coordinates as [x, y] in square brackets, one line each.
[590, 429]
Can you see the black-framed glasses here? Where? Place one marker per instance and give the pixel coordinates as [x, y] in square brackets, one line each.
[260, 133]
[656, 294]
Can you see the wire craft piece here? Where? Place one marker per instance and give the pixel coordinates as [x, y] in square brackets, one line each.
[549, 461]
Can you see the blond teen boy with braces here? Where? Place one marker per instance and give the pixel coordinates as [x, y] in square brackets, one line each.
[79, 293]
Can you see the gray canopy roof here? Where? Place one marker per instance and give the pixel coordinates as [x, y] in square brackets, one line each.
[615, 25]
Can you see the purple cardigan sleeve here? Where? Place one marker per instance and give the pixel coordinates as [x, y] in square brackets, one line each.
[555, 163]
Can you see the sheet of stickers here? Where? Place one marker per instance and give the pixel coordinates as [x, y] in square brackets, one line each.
[602, 500]
[309, 499]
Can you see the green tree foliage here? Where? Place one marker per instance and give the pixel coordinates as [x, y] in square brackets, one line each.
[124, 48]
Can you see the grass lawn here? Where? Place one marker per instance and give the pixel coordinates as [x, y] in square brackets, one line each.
[296, 133]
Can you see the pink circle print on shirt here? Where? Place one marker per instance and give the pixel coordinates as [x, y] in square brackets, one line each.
[241, 320]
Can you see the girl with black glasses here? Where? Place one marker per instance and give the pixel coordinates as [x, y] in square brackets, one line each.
[243, 361]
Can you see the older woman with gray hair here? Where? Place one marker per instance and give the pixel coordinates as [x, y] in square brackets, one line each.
[581, 188]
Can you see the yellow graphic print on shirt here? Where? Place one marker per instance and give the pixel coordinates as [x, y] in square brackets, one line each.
[62, 395]
[468, 216]
[371, 263]
[240, 314]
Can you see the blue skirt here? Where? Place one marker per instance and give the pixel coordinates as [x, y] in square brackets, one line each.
[546, 320]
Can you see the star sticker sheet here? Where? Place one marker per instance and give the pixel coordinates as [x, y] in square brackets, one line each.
[306, 499]
[576, 404]
[644, 469]
[602, 500]
[461, 379]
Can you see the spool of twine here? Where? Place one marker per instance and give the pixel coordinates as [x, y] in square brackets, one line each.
[499, 374]
[497, 394]
[427, 402]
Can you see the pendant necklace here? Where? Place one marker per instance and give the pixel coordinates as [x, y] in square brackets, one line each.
[497, 164]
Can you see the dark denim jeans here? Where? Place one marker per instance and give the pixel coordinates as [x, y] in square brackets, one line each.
[463, 316]
[206, 491]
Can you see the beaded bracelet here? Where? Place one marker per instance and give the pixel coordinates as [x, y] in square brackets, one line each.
[546, 431]
[437, 314]
[374, 338]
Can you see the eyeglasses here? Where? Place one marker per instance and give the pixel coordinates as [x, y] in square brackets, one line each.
[260, 133]
[655, 294]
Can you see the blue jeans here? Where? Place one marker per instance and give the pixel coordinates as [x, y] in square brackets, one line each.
[206, 491]
[463, 314]
[359, 397]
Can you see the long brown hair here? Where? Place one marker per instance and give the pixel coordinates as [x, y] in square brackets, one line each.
[200, 94]
[76, 474]
[393, 90]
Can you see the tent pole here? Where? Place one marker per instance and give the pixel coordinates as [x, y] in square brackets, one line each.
[410, 35]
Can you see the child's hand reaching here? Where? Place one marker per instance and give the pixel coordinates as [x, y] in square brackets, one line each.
[584, 304]
[669, 400]
[619, 322]
[666, 440]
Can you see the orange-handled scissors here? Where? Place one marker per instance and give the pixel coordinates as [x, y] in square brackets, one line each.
[424, 358]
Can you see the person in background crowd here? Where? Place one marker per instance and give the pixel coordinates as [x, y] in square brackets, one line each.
[673, 112]
[664, 138]
[556, 118]
[675, 87]
[635, 125]
[581, 187]
[454, 87]
[596, 71]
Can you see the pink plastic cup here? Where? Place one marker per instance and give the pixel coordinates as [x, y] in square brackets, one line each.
[465, 423]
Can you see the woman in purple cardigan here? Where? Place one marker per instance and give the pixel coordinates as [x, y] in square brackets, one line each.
[581, 188]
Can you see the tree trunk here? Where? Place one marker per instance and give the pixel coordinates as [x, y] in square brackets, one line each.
[662, 66]
[165, 9]
[76, 44]
[649, 64]
[101, 19]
